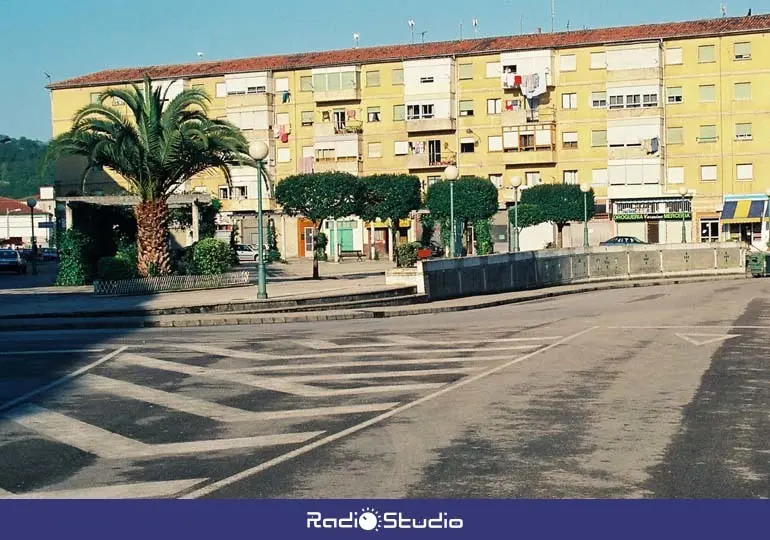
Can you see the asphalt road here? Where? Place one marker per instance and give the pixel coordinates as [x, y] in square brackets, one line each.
[657, 392]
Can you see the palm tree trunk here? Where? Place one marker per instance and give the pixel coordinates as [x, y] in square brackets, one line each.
[152, 238]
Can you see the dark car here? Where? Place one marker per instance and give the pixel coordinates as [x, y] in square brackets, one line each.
[11, 260]
[49, 254]
[622, 241]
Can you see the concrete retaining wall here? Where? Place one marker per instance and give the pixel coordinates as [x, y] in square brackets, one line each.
[453, 278]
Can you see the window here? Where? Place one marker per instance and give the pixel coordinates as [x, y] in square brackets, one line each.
[633, 101]
[616, 102]
[707, 92]
[569, 101]
[466, 72]
[675, 175]
[497, 180]
[426, 80]
[599, 137]
[744, 172]
[398, 113]
[649, 100]
[240, 192]
[567, 62]
[372, 78]
[95, 97]
[401, 148]
[416, 112]
[569, 139]
[674, 56]
[494, 106]
[532, 178]
[598, 60]
[307, 118]
[706, 54]
[282, 119]
[221, 90]
[742, 91]
[743, 132]
[599, 177]
[675, 135]
[224, 192]
[467, 145]
[375, 150]
[709, 230]
[466, 107]
[281, 85]
[306, 83]
[308, 152]
[708, 173]
[493, 70]
[495, 143]
[373, 114]
[674, 94]
[397, 76]
[598, 100]
[283, 155]
[707, 134]
[433, 179]
[571, 177]
[742, 51]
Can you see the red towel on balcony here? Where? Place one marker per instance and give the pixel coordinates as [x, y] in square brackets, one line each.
[517, 80]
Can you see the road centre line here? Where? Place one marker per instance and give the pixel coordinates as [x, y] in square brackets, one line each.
[61, 380]
[224, 482]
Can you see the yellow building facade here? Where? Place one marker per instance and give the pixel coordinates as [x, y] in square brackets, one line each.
[667, 123]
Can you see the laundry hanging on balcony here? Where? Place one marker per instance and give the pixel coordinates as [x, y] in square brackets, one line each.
[286, 96]
[533, 85]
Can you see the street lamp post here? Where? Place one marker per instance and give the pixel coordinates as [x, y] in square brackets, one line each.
[259, 151]
[451, 173]
[32, 203]
[683, 193]
[516, 183]
[767, 192]
[585, 188]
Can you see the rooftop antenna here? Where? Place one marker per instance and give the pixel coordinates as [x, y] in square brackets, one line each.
[568, 26]
[423, 35]
[411, 27]
[48, 76]
[356, 38]
[553, 13]
[521, 24]
[475, 27]
[461, 30]
[723, 9]
[200, 55]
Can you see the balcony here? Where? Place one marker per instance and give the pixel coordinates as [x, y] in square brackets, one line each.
[262, 99]
[431, 124]
[519, 117]
[331, 130]
[344, 94]
[351, 165]
[530, 156]
[426, 161]
[647, 111]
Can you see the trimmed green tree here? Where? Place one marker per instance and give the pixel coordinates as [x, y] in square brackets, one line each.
[320, 196]
[553, 203]
[391, 196]
[475, 199]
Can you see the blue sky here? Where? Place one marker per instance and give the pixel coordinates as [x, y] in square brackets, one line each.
[67, 38]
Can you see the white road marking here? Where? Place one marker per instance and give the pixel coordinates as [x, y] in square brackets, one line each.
[405, 340]
[5, 494]
[395, 340]
[379, 374]
[364, 363]
[215, 486]
[268, 383]
[319, 344]
[703, 339]
[108, 445]
[61, 380]
[727, 326]
[140, 490]
[215, 411]
[56, 351]
[221, 351]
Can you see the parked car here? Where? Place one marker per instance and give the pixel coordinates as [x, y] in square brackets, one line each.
[621, 241]
[49, 254]
[13, 261]
[249, 253]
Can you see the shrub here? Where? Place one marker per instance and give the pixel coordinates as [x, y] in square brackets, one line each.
[212, 256]
[73, 267]
[273, 255]
[115, 269]
[428, 228]
[406, 254]
[483, 237]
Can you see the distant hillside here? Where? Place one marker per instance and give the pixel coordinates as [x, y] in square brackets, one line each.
[19, 164]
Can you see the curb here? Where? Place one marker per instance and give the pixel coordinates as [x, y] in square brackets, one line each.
[254, 319]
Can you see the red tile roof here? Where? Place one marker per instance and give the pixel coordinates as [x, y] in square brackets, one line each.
[647, 32]
[11, 206]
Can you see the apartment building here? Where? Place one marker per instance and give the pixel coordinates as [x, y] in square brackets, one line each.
[638, 112]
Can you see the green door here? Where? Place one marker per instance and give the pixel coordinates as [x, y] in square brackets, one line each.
[346, 239]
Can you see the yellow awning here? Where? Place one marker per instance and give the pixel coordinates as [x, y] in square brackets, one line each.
[384, 224]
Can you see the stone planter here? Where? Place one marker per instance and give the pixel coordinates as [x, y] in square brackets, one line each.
[407, 276]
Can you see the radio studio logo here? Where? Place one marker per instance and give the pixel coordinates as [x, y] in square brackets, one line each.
[369, 519]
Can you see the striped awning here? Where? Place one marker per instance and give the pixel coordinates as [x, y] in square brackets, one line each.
[744, 211]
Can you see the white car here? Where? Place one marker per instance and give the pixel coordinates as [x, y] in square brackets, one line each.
[249, 253]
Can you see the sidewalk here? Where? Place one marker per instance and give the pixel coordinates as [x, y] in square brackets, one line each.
[444, 306]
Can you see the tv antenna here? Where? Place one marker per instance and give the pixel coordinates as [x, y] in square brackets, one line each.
[461, 30]
[200, 55]
[475, 27]
[47, 76]
[356, 38]
[568, 26]
[553, 13]
[411, 27]
[423, 35]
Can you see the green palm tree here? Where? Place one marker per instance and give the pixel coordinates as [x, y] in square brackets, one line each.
[156, 148]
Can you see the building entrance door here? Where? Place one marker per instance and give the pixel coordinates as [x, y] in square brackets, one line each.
[653, 232]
